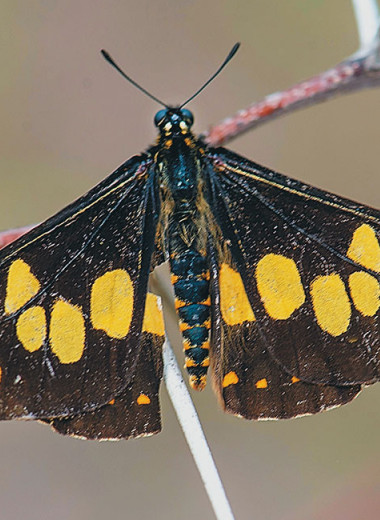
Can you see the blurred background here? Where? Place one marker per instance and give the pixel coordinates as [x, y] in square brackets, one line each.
[68, 119]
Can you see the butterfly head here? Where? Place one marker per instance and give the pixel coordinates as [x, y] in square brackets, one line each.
[173, 121]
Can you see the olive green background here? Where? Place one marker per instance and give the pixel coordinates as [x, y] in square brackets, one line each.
[67, 119]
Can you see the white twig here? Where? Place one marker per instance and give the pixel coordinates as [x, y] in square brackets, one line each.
[368, 20]
[192, 429]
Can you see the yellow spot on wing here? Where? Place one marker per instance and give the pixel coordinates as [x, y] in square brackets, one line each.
[295, 379]
[153, 319]
[230, 379]
[365, 292]
[364, 248]
[262, 383]
[111, 402]
[21, 287]
[67, 332]
[234, 304]
[143, 399]
[112, 303]
[279, 285]
[331, 304]
[31, 328]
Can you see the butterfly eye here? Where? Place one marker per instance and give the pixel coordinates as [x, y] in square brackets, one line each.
[161, 114]
[187, 116]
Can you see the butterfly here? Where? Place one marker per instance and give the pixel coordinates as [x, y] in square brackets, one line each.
[276, 288]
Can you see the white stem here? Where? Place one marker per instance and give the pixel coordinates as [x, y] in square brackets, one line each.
[192, 429]
[368, 20]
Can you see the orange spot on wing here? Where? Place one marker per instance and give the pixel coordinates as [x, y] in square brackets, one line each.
[262, 383]
[112, 401]
[230, 379]
[295, 379]
[143, 399]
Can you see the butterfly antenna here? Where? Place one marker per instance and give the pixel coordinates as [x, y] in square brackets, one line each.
[231, 54]
[114, 64]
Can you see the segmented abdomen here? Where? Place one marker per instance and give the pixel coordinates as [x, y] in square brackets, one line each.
[190, 278]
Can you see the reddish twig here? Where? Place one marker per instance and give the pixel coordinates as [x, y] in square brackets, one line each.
[362, 70]
[6, 237]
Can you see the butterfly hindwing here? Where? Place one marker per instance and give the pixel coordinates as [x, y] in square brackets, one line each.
[310, 265]
[136, 410]
[248, 381]
[72, 300]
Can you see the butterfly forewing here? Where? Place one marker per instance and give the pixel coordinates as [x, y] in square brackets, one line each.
[309, 262]
[73, 295]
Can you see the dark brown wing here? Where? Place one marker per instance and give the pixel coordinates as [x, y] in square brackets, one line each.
[248, 381]
[72, 297]
[310, 264]
[135, 411]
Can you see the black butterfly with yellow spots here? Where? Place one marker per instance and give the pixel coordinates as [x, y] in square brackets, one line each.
[276, 286]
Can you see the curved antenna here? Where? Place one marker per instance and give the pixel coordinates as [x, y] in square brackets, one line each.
[107, 57]
[231, 54]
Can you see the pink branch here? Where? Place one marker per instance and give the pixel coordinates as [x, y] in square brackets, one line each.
[352, 74]
[6, 237]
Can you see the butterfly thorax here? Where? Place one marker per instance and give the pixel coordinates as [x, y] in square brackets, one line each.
[179, 167]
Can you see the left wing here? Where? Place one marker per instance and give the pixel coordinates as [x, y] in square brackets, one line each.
[135, 412]
[72, 299]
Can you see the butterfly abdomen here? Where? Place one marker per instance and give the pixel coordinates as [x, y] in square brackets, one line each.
[190, 278]
[179, 168]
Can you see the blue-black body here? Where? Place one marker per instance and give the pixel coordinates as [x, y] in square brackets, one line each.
[179, 162]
